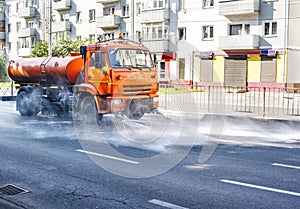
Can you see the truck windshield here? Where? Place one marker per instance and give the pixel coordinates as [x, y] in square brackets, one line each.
[130, 58]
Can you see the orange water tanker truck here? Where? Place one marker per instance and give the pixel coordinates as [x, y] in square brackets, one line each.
[116, 76]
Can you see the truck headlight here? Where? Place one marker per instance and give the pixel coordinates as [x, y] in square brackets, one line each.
[116, 101]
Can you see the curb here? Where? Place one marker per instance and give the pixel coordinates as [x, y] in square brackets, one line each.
[250, 116]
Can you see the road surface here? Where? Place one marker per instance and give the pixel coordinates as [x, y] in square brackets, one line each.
[45, 156]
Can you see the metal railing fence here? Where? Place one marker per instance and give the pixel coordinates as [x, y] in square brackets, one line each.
[261, 101]
[8, 88]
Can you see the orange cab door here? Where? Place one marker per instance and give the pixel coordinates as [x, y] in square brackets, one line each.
[98, 73]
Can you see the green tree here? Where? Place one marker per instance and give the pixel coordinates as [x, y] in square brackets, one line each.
[41, 49]
[66, 47]
[3, 68]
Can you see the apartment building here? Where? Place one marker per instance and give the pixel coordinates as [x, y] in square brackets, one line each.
[224, 42]
[238, 43]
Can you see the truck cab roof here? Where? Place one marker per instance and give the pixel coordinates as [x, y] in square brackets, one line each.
[116, 43]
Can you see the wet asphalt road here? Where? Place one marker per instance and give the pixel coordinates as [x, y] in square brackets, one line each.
[47, 157]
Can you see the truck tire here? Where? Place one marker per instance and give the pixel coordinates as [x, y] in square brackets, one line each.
[26, 105]
[89, 111]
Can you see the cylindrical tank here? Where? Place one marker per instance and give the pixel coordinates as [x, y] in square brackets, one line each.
[57, 70]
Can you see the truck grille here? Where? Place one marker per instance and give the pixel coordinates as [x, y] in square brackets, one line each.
[136, 89]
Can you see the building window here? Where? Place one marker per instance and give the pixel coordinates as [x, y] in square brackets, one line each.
[181, 5]
[247, 29]
[78, 17]
[18, 46]
[2, 26]
[235, 29]
[154, 4]
[32, 41]
[9, 10]
[125, 10]
[138, 8]
[2, 44]
[29, 3]
[138, 36]
[108, 11]
[125, 34]
[182, 33]
[29, 24]
[208, 32]
[155, 31]
[9, 27]
[270, 28]
[18, 26]
[108, 36]
[27, 42]
[162, 66]
[239, 29]
[166, 31]
[40, 26]
[208, 3]
[92, 37]
[65, 35]
[92, 15]
[65, 17]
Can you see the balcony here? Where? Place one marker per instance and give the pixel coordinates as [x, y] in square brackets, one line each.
[2, 35]
[107, 1]
[110, 21]
[239, 42]
[61, 5]
[27, 32]
[159, 15]
[25, 52]
[61, 26]
[157, 45]
[239, 7]
[27, 12]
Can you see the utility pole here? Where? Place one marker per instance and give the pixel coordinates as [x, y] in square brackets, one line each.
[132, 19]
[50, 28]
[286, 41]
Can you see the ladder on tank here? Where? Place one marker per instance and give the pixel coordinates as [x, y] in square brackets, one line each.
[43, 71]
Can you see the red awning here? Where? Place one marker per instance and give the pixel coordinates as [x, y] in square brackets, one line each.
[168, 56]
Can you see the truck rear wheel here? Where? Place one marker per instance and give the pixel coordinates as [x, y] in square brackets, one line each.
[26, 105]
[89, 111]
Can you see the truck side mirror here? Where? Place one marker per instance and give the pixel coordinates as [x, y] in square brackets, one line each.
[83, 50]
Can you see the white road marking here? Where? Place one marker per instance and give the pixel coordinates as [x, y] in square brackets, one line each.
[108, 156]
[261, 187]
[286, 166]
[166, 204]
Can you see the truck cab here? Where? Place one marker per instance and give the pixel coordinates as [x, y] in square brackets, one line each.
[119, 76]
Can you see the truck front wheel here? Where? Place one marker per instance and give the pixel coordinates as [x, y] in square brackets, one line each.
[26, 105]
[89, 111]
